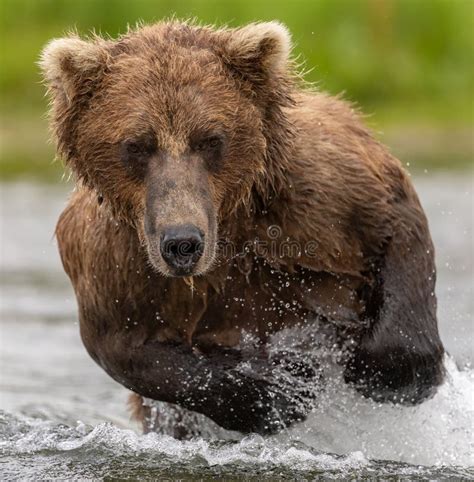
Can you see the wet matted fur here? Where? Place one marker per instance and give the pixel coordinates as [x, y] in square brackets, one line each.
[175, 123]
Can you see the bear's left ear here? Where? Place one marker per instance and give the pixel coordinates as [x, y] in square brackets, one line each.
[70, 66]
[258, 51]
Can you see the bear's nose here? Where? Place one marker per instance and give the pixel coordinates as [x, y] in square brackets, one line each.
[181, 247]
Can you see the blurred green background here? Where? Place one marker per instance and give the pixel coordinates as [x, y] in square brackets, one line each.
[407, 63]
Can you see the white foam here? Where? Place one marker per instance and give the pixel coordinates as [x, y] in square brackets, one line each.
[34, 436]
[436, 432]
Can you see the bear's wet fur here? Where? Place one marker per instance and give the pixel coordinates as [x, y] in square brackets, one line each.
[178, 126]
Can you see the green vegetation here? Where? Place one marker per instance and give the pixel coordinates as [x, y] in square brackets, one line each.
[408, 63]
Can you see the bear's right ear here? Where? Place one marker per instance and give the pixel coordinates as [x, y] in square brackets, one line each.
[258, 51]
[71, 65]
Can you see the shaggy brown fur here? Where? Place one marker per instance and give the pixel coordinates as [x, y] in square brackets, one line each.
[174, 124]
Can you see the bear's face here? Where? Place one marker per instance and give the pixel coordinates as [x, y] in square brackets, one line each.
[168, 126]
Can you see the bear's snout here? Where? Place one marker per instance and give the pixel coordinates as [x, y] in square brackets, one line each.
[181, 247]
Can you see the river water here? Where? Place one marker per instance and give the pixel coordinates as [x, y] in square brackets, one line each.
[62, 417]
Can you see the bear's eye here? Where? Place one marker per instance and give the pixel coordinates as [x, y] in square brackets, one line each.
[135, 155]
[133, 148]
[210, 147]
[142, 147]
[214, 142]
[209, 143]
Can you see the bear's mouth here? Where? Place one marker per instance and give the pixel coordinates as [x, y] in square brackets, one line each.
[183, 273]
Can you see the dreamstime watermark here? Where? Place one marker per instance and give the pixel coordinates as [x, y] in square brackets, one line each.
[273, 246]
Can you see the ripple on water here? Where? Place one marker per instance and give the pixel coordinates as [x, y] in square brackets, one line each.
[41, 449]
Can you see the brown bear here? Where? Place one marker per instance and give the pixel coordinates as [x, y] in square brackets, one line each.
[218, 195]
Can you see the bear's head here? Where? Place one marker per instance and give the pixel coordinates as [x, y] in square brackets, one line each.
[174, 126]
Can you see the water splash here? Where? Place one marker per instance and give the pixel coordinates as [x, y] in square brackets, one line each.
[436, 432]
[347, 436]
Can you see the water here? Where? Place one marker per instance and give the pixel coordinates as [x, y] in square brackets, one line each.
[62, 417]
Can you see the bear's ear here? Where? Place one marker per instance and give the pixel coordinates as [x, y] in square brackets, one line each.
[70, 65]
[258, 50]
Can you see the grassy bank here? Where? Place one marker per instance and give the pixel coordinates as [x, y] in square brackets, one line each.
[407, 63]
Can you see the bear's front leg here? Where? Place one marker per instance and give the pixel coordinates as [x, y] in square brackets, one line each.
[173, 373]
[400, 356]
